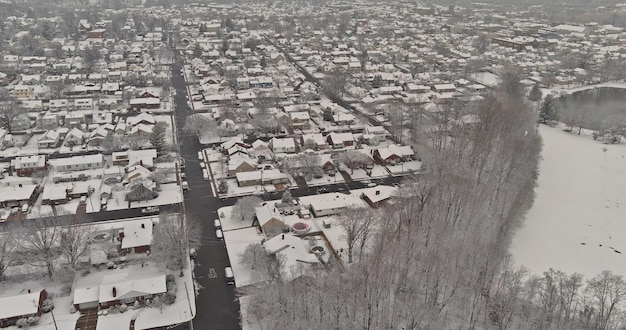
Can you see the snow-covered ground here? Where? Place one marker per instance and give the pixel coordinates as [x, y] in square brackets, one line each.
[577, 222]
[237, 240]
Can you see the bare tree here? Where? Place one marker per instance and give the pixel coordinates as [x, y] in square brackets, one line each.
[357, 223]
[607, 290]
[10, 110]
[38, 240]
[172, 237]
[265, 268]
[354, 159]
[335, 82]
[245, 208]
[75, 240]
[200, 126]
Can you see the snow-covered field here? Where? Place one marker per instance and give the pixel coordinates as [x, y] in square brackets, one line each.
[577, 223]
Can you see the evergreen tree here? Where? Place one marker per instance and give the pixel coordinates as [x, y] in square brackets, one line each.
[547, 112]
[197, 51]
[535, 93]
[287, 200]
[157, 137]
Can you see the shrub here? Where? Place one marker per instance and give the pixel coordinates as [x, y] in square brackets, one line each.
[123, 308]
[47, 305]
[27, 322]
[169, 298]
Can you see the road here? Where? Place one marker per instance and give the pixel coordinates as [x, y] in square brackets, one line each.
[216, 305]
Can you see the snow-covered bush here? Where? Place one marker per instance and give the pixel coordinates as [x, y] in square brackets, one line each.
[169, 298]
[123, 308]
[27, 322]
[47, 305]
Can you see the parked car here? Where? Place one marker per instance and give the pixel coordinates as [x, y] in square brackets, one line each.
[193, 253]
[185, 185]
[14, 210]
[25, 208]
[219, 234]
[150, 210]
[217, 224]
[230, 277]
[200, 156]
[83, 200]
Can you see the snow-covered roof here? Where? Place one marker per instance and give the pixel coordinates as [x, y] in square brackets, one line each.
[137, 233]
[19, 305]
[401, 151]
[16, 193]
[334, 201]
[378, 193]
[266, 213]
[132, 288]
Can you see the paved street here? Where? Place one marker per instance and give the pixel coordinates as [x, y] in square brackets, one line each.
[216, 305]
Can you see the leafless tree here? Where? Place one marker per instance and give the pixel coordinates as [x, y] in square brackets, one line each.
[172, 237]
[607, 290]
[75, 239]
[354, 159]
[265, 268]
[245, 208]
[358, 223]
[10, 110]
[200, 126]
[335, 81]
[38, 241]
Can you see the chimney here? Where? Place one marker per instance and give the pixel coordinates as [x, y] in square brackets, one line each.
[377, 192]
[114, 292]
[143, 226]
[28, 290]
[283, 236]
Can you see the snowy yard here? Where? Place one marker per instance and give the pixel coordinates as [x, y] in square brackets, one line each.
[577, 222]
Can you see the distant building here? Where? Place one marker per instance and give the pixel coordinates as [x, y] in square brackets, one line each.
[78, 163]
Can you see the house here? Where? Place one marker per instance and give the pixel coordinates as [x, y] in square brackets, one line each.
[273, 176]
[140, 192]
[96, 34]
[225, 146]
[333, 203]
[377, 196]
[393, 154]
[142, 118]
[117, 289]
[294, 252]
[26, 166]
[78, 163]
[136, 236]
[269, 219]
[97, 136]
[240, 163]
[17, 195]
[54, 194]
[340, 140]
[283, 145]
[344, 119]
[25, 304]
[144, 103]
[443, 88]
[300, 120]
[314, 141]
[74, 137]
[137, 173]
[49, 139]
[83, 104]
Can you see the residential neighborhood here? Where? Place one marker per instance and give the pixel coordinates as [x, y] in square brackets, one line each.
[180, 158]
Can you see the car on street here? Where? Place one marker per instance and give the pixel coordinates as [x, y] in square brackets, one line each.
[185, 185]
[193, 253]
[150, 210]
[219, 234]
[217, 224]
[230, 277]
[14, 210]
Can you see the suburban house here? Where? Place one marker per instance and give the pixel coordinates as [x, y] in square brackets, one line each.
[74, 137]
[393, 154]
[49, 139]
[340, 140]
[25, 304]
[294, 252]
[26, 166]
[377, 196]
[333, 203]
[78, 163]
[269, 219]
[315, 140]
[300, 120]
[284, 145]
[246, 179]
[240, 163]
[144, 103]
[117, 289]
[443, 88]
[136, 236]
[17, 195]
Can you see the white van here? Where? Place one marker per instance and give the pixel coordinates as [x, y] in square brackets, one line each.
[25, 208]
[230, 278]
[205, 174]
[200, 156]
[219, 234]
[217, 224]
[185, 185]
